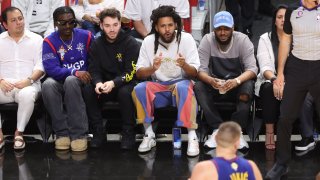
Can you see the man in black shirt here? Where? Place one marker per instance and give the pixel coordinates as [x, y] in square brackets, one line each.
[112, 66]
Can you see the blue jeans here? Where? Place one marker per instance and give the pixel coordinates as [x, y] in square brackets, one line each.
[66, 106]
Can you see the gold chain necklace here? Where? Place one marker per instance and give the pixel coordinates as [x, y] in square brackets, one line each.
[69, 46]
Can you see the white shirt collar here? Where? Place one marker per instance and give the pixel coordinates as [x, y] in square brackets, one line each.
[27, 34]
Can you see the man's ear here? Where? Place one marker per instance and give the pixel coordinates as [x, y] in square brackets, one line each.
[156, 28]
[5, 25]
[101, 27]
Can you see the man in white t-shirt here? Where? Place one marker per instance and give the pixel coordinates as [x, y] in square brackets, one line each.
[140, 11]
[170, 58]
[38, 14]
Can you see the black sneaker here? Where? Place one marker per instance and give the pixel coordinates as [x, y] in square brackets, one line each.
[128, 139]
[305, 144]
[99, 138]
[277, 171]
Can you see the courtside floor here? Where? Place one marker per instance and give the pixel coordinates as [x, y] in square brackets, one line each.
[41, 161]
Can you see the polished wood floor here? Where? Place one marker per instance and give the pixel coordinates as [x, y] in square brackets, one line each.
[40, 161]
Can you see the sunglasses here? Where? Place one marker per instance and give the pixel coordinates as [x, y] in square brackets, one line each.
[70, 22]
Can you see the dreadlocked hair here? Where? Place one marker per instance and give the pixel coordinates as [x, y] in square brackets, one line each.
[160, 12]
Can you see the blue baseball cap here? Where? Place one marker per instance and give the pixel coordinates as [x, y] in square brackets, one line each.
[223, 18]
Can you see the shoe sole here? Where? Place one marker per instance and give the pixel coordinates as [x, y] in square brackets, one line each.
[62, 147]
[79, 150]
[243, 148]
[19, 147]
[193, 154]
[304, 148]
[208, 147]
[147, 150]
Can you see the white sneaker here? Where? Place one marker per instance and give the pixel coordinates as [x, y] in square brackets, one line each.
[211, 141]
[243, 143]
[193, 147]
[147, 144]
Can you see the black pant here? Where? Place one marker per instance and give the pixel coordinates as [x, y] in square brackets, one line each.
[207, 96]
[270, 105]
[301, 77]
[247, 12]
[92, 106]
[306, 117]
[127, 110]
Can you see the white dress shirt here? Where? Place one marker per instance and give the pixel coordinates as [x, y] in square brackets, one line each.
[19, 59]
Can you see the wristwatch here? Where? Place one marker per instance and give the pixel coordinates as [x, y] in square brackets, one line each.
[238, 81]
[31, 80]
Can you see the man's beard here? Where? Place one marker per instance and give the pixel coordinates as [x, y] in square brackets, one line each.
[223, 43]
[110, 39]
[170, 40]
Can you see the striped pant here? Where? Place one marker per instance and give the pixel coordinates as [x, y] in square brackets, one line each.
[149, 95]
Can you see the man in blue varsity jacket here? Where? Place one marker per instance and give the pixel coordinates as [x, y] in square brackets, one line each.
[67, 92]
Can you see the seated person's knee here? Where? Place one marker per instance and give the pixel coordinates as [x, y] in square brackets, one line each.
[244, 98]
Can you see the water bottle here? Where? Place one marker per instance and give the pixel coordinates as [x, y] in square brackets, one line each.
[202, 4]
[176, 138]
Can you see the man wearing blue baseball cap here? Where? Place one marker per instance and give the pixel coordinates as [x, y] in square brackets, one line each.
[227, 70]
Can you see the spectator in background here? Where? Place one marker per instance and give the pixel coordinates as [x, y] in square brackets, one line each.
[226, 73]
[3, 5]
[267, 55]
[20, 70]
[65, 60]
[113, 58]
[139, 11]
[226, 165]
[38, 14]
[297, 75]
[245, 17]
[87, 12]
[170, 58]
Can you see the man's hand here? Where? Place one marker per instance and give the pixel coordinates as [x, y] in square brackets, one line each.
[84, 76]
[22, 83]
[157, 62]
[107, 87]
[181, 61]
[6, 86]
[278, 86]
[98, 88]
[229, 84]
[215, 83]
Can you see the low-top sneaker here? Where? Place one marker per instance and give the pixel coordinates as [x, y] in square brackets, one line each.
[147, 143]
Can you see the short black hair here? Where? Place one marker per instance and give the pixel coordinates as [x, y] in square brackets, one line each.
[110, 12]
[160, 12]
[62, 10]
[5, 12]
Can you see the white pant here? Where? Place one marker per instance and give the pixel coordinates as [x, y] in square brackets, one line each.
[25, 98]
